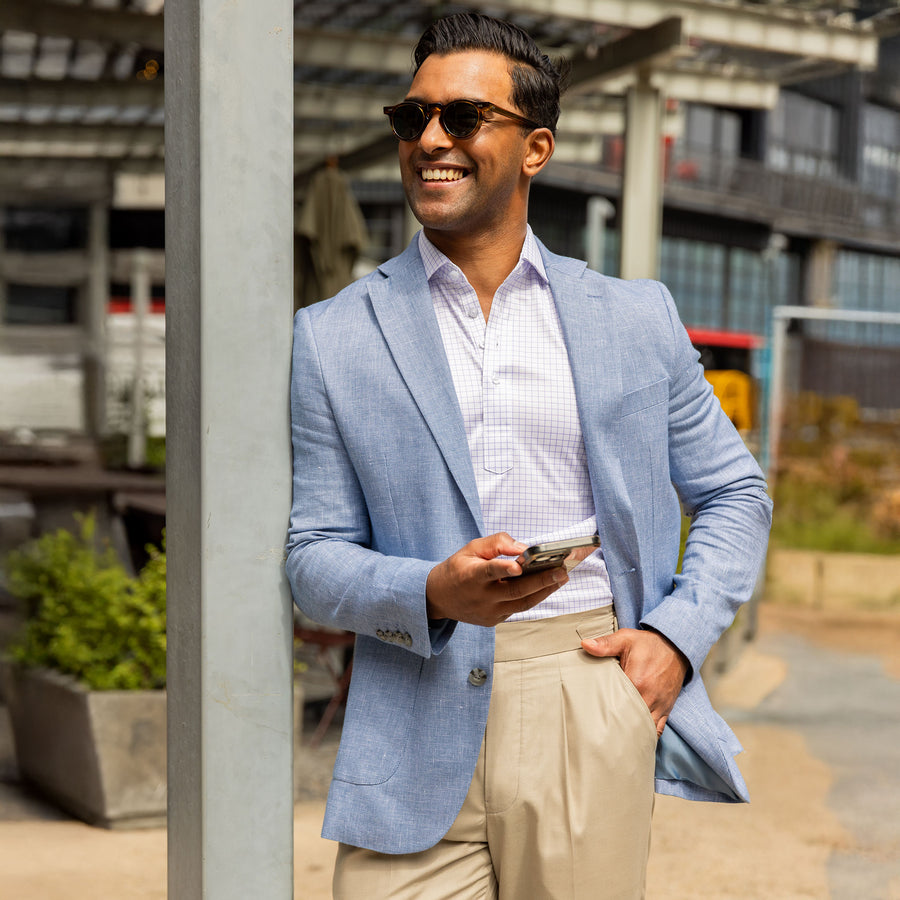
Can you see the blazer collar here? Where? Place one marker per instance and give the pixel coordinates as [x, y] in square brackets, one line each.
[403, 307]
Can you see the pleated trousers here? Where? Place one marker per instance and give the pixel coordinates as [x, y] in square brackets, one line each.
[561, 801]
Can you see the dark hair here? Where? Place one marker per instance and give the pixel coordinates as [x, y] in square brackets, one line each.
[537, 80]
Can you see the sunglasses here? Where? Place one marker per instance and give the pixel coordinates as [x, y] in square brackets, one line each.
[459, 118]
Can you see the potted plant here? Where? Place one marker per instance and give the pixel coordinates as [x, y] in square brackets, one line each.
[84, 682]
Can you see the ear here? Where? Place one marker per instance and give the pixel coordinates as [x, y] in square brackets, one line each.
[539, 149]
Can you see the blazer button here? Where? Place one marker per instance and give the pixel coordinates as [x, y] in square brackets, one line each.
[477, 677]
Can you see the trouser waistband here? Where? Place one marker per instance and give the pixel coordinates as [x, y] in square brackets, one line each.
[557, 634]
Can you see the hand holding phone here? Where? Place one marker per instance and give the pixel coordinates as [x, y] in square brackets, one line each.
[553, 554]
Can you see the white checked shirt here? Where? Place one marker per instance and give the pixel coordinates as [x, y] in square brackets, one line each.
[515, 388]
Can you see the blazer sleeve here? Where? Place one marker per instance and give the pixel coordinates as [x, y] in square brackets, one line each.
[335, 577]
[723, 491]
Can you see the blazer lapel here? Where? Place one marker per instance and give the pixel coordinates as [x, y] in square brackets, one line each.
[403, 307]
[592, 339]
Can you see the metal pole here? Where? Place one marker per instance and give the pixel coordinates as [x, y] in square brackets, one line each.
[95, 319]
[140, 306]
[229, 228]
[776, 391]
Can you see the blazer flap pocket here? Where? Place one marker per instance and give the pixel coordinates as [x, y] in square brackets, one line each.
[644, 397]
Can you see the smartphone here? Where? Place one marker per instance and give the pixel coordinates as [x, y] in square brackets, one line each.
[552, 554]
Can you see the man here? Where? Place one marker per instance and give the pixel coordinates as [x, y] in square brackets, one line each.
[472, 396]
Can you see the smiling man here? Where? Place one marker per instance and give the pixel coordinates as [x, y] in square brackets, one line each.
[474, 396]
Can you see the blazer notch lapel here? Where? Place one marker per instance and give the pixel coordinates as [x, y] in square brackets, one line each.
[402, 305]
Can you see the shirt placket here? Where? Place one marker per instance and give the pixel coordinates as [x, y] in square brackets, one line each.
[494, 390]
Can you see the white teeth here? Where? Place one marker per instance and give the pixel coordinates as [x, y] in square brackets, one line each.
[442, 174]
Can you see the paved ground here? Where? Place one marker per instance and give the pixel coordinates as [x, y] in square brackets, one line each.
[815, 700]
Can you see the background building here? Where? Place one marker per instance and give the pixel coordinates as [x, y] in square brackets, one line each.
[778, 127]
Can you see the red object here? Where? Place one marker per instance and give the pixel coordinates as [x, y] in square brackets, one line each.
[711, 337]
[123, 305]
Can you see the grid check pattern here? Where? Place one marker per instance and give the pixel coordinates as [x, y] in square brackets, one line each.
[515, 389]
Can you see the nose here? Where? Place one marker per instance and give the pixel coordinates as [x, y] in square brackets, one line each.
[434, 137]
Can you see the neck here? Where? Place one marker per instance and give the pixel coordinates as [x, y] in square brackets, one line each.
[485, 260]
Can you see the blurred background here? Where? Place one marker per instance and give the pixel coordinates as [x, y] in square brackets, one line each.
[775, 222]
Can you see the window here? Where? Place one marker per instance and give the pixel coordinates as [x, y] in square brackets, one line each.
[727, 288]
[711, 141]
[37, 305]
[881, 150]
[803, 136]
[694, 271]
[41, 230]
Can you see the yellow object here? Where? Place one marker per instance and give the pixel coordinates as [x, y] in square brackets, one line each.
[735, 391]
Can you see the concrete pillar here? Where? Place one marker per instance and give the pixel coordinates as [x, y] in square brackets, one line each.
[642, 183]
[94, 319]
[819, 280]
[229, 228]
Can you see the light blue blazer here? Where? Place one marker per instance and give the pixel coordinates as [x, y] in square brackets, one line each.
[384, 489]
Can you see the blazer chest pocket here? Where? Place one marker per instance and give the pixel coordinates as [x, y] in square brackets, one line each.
[645, 397]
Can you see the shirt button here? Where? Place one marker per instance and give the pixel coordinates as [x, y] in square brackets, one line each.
[472, 313]
[477, 677]
[496, 379]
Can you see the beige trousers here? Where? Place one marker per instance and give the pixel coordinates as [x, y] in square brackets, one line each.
[560, 804]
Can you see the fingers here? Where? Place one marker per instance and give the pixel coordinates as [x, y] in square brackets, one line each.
[472, 585]
[524, 593]
[653, 665]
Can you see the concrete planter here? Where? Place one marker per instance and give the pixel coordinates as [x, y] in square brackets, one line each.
[101, 755]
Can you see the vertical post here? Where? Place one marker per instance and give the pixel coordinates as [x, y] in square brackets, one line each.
[778, 351]
[3, 290]
[140, 306]
[599, 211]
[95, 319]
[642, 183]
[229, 228]
[819, 281]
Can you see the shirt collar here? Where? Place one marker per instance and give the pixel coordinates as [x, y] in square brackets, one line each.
[437, 264]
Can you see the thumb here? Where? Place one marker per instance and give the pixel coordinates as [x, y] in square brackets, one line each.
[606, 645]
[499, 544]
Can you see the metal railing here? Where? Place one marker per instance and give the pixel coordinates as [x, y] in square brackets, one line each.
[772, 194]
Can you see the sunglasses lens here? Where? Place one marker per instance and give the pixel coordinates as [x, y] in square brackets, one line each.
[460, 118]
[408, 121]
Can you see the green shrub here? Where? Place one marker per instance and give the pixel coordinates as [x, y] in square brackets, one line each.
[829, 509]
[85, 615]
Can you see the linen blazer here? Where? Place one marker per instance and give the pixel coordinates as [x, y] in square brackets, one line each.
[384, 489]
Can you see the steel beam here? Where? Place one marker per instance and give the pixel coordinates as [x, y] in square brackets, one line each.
[352, 50]
[82, 22]
[643, 47]
[787, 30]
[81, 94]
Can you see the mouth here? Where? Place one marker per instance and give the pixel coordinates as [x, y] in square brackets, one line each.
[441, 174]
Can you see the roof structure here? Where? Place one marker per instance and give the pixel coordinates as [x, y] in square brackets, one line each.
[82, 81]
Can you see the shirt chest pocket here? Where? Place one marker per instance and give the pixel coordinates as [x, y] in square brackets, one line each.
[644, 398]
